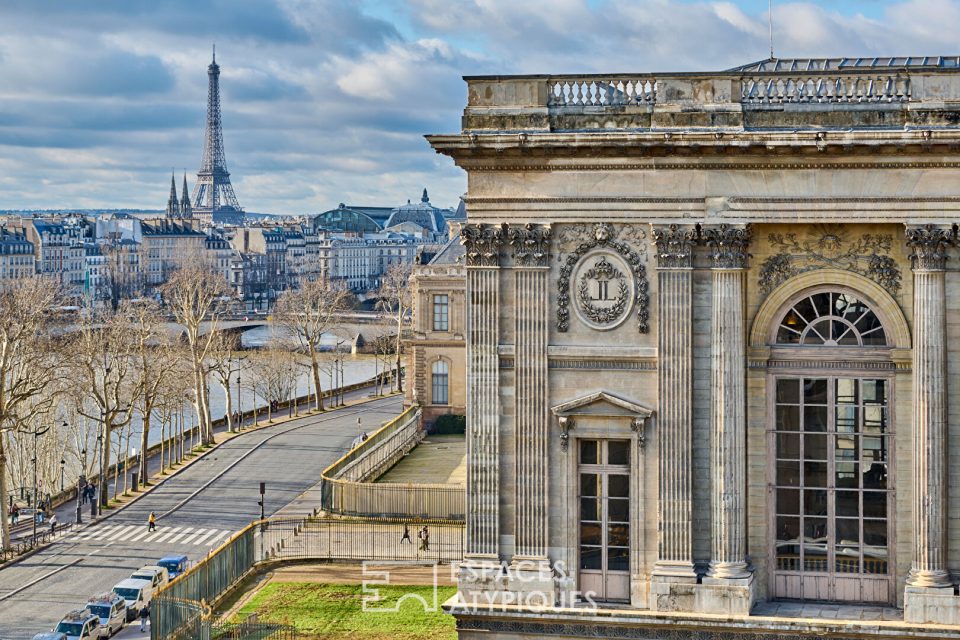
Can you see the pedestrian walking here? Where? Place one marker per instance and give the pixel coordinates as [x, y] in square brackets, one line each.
[152, 522]
[144, 617]
[15, 514]
[424, 536]
[406, 534]
[53, 523]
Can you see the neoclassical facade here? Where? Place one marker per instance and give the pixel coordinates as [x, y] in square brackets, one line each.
[709, 373]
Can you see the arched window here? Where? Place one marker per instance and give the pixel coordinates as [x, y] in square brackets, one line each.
[440, 378]
[831, 318]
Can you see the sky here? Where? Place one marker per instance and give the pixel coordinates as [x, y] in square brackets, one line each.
[327, 101]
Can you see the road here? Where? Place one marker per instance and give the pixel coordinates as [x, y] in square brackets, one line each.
[197, 509]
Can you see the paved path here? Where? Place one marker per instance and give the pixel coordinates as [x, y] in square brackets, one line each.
[197, 508]
[437, 459]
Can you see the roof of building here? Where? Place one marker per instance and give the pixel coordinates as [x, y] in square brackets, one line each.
[828, 64]
[421, 213]
[451, 253]
[168, 228]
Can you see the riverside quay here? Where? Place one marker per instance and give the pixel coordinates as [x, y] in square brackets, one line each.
[712, 346]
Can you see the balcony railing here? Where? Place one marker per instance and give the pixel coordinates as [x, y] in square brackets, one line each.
[602, 91]
[761, 89]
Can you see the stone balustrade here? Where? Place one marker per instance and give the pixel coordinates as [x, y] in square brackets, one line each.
[600, 91]
[780, 89]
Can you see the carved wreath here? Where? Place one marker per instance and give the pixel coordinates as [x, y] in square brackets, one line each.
[602, 238]
[603, 270]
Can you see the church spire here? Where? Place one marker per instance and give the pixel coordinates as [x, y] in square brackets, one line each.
[424, 197]
[186, 210]
[173, 203]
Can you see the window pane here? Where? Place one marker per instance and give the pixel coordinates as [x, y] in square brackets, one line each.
[875, 476]
[618, 486]
[815, 418]
[815, 474]
[874, 391]
[845, 448]
[589, 484]
[817, 333]
[874, 504]
[874, 419]
[618, 559]
[589, 509]
[846, 391]
[618, 452]
[788, 501]
[788, 473]
[815, 391]
[590, 533]
[788, 391]
[846, 475]
[814, 503]
[847, 559]
[847, 418]
[588, 451]
[848, 504]
[591, 558]
[788, 446]
[788, 544]
[788, 417]
[875, 532]
[815, 544]
[847, 531]
[618, 535]
[815, 447]
[618, 510]
[874, 449]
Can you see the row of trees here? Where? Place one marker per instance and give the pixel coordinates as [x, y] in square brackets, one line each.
[96, 374]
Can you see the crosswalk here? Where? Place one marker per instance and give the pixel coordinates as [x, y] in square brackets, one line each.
[185, 536]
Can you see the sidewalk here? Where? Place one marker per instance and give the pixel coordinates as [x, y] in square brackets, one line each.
[66, 512]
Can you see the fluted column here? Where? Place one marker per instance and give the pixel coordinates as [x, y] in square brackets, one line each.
[929, 245]
[728, 456]
[530, 246]
[483, 391]
[674, 248]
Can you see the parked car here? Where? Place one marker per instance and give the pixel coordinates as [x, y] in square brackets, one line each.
[52, 635]
[137, 593]
[80, 625]
[175, 565]
[111, 608]
[157, 575]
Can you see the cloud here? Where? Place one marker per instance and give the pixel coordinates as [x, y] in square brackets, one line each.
[327, 101]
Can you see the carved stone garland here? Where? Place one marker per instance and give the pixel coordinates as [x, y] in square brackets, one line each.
[482, 244]
[602, 238]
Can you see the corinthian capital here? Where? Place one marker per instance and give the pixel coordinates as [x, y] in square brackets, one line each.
[929, 247]
[674, 246]
[531, 244]
[728, 246]
[482, 242]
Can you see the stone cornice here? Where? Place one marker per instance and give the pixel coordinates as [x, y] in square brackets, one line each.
[929, 247]
[674, 246]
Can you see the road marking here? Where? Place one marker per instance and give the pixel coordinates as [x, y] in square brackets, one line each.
[179, 535]
[125, 533]
[192, 538]
[209, 533]
[166, 534]
[43, 577]
[146, 532]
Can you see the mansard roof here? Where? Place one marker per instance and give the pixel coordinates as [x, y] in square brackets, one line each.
[839, 64]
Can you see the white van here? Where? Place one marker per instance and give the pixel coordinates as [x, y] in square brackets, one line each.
[112, 611]
[80, 625]
[137, 593]
[157, 576]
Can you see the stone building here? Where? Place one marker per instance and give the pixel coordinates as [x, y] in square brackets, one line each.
[436, 351]
[707, 350]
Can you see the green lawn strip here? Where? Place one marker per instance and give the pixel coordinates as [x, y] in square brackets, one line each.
[336, 611]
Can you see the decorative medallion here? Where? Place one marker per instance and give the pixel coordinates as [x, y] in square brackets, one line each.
[828, 246]
[601, 258]
[604, 291]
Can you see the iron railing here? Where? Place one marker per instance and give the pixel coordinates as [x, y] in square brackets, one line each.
[182, 609]
[347, 487]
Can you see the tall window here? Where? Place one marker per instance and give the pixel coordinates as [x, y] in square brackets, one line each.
[441, 312]
[605, 518]
[441, 384]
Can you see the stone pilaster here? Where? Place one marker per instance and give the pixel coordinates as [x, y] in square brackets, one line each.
[929, 245]
[674, 249]
[483, 396]
[530, 246]
[530, 571]
[728, 585]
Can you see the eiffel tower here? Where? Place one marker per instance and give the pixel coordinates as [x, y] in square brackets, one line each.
[214, 201]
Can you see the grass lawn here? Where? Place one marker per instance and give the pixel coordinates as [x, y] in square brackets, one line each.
[335, 611]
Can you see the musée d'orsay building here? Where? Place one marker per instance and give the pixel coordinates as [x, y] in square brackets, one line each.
[713, 352]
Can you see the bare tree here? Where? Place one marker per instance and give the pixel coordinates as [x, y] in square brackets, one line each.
[396, 299]
[308, 314]
[223, 363]
[27, 363]
[154, 357]
[274, 375]
[195, 294]
[105, 349]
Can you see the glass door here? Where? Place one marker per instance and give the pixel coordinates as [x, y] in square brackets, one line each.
[832, 494]
[604, 467]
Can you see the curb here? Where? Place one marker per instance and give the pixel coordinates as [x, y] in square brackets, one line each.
[161, 482]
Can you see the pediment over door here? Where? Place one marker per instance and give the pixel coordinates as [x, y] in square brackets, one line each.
[600, 404]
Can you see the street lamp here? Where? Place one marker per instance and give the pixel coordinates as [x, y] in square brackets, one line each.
[36, 436]
[97, 509]
[239, 405]
[63, 464]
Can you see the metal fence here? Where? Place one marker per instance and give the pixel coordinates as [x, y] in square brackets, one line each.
[346, 486]
[252, 631]
[182, 609]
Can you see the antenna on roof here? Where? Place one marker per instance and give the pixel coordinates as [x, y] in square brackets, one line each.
[770, 19]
